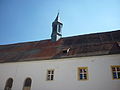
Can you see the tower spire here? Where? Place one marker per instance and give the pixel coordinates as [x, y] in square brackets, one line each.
[57, 18]
[56, 29]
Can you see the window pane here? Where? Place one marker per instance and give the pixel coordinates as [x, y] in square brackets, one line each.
[48, 78]
[80, 70]
[113, 69]
[118, 74]
[48, 72]
[114, 75]
[27, 82]
[81, 76]
[118, 68]
[85, 70]
[52, 71]
[9, 83]
[85, 76]
[51, 77]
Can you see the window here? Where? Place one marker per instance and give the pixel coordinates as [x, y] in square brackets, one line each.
[82, 73]
[50, 75]
[8, 85]
[115, 72]
[27, 84]
[65, 51]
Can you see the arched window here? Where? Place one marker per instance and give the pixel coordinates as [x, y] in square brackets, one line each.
[27, 84]
[9, 83]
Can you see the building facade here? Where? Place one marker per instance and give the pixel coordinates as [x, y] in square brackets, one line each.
[84, 62]
[66, 73]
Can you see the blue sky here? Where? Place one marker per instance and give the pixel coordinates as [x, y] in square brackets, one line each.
[31, 20]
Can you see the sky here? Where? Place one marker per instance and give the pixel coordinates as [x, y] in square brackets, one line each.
[31, 20]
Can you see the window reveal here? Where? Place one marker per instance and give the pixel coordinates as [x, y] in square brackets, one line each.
[82, 73]
[115, 72]
[50, 75]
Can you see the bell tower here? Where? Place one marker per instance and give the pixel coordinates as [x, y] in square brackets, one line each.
[56, 29]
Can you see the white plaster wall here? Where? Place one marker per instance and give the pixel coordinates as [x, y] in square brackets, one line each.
[99, 71]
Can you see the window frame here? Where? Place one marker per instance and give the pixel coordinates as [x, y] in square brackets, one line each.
[115, 66]
[25, 81]
[50, 74]
[9, 83]
[78, 73]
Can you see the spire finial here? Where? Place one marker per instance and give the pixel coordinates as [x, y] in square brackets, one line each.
[58, 14]
[57, 19]
[58, 11]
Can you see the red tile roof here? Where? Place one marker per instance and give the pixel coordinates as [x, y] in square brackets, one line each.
[76, 46]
